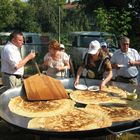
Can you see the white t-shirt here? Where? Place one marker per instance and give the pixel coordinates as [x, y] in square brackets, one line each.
[10, 57]
[51, 71]
[123, 58]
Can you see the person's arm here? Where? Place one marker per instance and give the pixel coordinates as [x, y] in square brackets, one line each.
[136, 60]
[66, 66]
[79, 72]
[109, 74]
[25, 60]
[47, 60]
[66, 62]
[134, 63]
[106, 80]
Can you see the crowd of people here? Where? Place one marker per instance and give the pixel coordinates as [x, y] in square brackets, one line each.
[121, 66]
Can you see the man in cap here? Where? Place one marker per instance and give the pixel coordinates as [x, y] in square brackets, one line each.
[62, 47]
[71, 72]
[105, 49]
[96, 63]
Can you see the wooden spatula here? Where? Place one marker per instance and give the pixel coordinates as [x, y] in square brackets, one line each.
[43, 87]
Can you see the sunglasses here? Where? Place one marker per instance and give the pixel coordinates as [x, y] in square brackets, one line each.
[104, 46]
[126, 44]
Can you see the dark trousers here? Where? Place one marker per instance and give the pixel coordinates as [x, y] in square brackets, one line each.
[132, 80]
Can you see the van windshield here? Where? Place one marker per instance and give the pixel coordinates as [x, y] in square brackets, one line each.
[85, 40]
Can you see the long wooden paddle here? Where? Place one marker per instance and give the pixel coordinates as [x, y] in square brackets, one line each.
[43, 87]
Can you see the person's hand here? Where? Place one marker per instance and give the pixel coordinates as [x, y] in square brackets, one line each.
[31, 55]
[131, 63]
[49, 59]
[59, 68]
[76, 81]
[102, 85]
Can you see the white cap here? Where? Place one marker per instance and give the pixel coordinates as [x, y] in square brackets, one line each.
[103, 44]
[62, 46]
[94, 46]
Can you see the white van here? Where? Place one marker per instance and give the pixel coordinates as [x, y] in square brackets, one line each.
[79, 42]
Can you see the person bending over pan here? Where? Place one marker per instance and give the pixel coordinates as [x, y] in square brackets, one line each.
[56, 61]
[96, 64]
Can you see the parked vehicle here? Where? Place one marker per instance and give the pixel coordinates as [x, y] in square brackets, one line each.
[79, 43]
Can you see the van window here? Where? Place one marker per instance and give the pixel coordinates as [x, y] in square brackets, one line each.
[85, 40]
[74, 41]
[44, 39]
[29, 39]
[3, 40]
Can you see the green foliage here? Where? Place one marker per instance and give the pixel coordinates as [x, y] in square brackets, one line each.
[117, 22]
[102, 22]
[120, 21]
[25, 17]
[46, 14]
[89, 15]
[90, 5]
[16, 14]
[7, 14]
[75, 20]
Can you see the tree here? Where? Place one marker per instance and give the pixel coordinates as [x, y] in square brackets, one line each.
[121, 22]
[25, 17]
[102, 20]
[46, 14]
[115, 4]
[7, 15]
[75, 20]
[90, 5]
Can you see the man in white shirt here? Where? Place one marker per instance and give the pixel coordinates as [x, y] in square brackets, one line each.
[12, 65]
[125, 61]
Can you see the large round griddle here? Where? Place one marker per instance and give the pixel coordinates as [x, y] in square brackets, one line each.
[21, 122]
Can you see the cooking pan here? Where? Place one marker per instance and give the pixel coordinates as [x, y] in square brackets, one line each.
[21, 122]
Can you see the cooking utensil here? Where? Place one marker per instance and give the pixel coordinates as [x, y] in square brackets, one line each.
[85, 81]
[84, 75]
[43, 87]
[22, 122]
